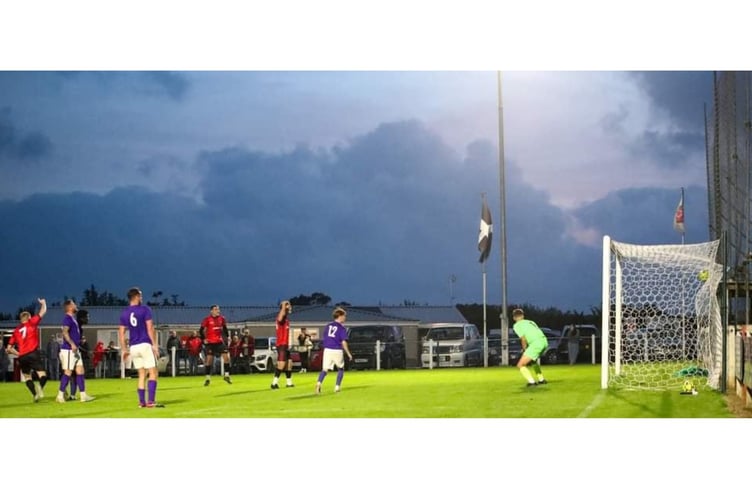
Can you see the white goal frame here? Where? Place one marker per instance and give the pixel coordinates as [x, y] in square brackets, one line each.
[628, 358]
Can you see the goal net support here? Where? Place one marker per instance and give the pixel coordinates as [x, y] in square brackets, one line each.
[661, 318]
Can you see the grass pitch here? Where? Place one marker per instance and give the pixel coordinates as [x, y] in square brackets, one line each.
[489, 393]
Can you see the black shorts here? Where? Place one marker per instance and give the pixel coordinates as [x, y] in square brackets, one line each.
[283, 353]
[31, 361]
[216, 349]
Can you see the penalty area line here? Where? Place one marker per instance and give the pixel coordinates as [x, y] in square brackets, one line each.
[593, 404]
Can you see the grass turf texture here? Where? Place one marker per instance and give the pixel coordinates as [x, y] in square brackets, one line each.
[500, 392]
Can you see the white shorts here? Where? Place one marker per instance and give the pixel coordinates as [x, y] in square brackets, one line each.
[333, 358]
[142, 356]
[68, 359]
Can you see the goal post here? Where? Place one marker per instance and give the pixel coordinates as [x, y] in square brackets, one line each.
[661, 321]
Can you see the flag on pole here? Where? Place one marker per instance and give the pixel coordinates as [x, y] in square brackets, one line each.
[486, 232]
[679, 215]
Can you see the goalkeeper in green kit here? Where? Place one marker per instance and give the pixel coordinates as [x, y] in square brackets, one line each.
[534, 344]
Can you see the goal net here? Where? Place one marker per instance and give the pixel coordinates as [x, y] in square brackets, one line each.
[661, 320]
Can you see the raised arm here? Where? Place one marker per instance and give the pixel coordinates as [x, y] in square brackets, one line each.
[42, 308]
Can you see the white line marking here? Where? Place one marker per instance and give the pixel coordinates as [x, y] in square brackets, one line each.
[593, 405]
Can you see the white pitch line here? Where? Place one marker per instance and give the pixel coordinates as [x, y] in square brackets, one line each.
[593, 405]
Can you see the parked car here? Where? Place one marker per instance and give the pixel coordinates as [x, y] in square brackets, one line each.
[452, 345]
[362, 342]
[315, 356]
[162, 362]
[265, 355]
[551, 356]
[662, 339]
[494, 347]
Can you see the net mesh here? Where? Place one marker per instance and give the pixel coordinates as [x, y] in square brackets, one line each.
[664, 320]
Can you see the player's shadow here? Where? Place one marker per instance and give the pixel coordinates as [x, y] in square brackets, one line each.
[662, 412]
[179, 388]
[534, 388]
[325, 392]
[241, 393]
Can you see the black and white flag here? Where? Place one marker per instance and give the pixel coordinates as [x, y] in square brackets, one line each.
[486, 232]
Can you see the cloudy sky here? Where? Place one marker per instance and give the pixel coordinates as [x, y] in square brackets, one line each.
[269, 177]
[246, 187]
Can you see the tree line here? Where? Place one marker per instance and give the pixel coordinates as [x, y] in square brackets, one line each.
[94, 297]
[550, 317]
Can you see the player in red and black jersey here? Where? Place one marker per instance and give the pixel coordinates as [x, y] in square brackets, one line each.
[284, 361]
[214, 334]
[24, 343]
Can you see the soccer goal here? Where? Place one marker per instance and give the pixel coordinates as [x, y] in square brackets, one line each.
[661, 319]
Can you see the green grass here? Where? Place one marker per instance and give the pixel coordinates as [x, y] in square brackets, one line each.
[572, 392]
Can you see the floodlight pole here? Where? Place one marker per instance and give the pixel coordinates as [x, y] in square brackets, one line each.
[503, 236]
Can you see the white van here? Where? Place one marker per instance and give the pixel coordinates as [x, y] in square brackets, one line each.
[452, 345]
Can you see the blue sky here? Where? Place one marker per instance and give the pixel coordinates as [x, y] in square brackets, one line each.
[247, 187]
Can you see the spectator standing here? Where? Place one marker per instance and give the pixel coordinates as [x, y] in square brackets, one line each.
[304, 348]
[194, 353]
[111, 359]
[172, 342]
[183, 353]
[85, 354]
[573, 344]
[98, 359]
[235, 353]
[53, 357]
[3, 361]
[249, 349]
[246, 353]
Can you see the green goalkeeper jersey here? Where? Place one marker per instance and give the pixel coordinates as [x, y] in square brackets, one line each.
[528, 330]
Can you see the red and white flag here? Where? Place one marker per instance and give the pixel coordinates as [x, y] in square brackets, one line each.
[679, 215]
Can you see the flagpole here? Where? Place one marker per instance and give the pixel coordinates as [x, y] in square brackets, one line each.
[682, 197]
[683, 329]
[485, 335]
[483, 269]
[503, 242]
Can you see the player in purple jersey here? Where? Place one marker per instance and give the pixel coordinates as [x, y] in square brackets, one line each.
[70, 357]
[334, 342]
[143, 349]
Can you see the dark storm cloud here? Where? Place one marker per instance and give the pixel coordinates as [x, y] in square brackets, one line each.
[21, 145]
[645, 216]
[670, 150]
[680, 93]
[387, 217]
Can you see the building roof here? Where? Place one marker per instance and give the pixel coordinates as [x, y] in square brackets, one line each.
[427, 314]
[193, 315]
[323, 314]
[163, 315]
